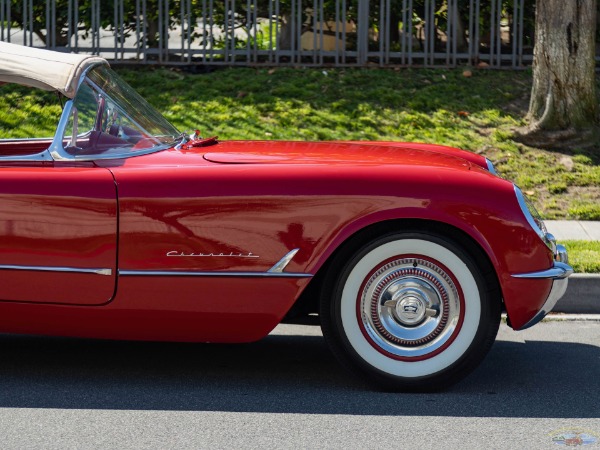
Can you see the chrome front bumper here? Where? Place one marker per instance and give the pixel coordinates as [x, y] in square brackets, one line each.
[559, 273]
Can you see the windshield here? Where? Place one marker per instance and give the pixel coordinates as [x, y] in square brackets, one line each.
[110, 120]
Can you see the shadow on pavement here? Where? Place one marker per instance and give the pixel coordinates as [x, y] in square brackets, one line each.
[285, 374]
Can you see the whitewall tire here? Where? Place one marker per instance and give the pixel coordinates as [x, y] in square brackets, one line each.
[410, 311]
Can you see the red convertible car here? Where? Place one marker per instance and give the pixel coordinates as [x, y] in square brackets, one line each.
[122, 227]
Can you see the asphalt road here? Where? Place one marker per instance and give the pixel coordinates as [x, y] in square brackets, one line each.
[287, 391]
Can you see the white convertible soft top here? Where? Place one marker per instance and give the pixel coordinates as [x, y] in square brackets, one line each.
[45, 69]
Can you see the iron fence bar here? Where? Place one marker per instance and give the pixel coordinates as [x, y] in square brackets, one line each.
[93, 24]
[204, 37]
[336, 41]
[211, 23]
[344, 33]
[163, 33]
[314, 31]
[277, 32]
[252, 30]
[492, 32]
[316, 50]
[69, 23]
[116, 21]
[98, 22]
[297, 48]
[48, 24]
[225, 31]
[448, 30]
[410, 34]
[513, 30]
[322, 31]
[431, 33]
[5, 19]
[160, 23]
[75, 23]
[122, 28]
[137, 28]
[344, 37]
[73, 27]
[248, 25]
[182, 21]
[456, 35]
[403, 35]
[167, 25]
[53, 24]
[427, 31]
[522, 32]
[144, 43]
[363, 32]
[191, 27]
[388, 28]
[424, 29]
[471, 32]
[25, 18]
[476, 45]
[293, 30]
[381, 32]
[499, 33]
[270, 47]
[232, 28]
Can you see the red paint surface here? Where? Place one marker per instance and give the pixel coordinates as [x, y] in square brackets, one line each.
[266, 198]
[57, 217]
[166, 309]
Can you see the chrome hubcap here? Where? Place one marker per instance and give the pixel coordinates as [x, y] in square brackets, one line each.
[410, 307]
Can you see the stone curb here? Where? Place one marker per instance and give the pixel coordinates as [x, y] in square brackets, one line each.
[582, 296]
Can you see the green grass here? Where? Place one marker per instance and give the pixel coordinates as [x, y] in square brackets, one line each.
[437, 106]
[584, 256]
[26, 112]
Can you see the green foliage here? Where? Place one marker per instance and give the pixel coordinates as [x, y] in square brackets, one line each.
[584, 256]
[585, 210]
[27, 112]
[557, 188]
[241, 15]
[436, 106]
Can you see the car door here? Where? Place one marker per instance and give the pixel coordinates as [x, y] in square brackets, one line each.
[58, 233]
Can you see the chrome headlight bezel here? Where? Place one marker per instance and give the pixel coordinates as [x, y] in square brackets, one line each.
[534, 218]
[490, 167]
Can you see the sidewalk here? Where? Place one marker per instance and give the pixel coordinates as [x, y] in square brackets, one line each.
[574, 229]
[583, 293]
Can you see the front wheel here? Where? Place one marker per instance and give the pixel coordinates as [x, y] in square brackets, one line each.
[410, 311]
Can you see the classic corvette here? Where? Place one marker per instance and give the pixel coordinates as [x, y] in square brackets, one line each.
[122, 227]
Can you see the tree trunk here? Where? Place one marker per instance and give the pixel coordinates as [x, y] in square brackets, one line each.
[285, 32]
[563, 97]
[462, 45]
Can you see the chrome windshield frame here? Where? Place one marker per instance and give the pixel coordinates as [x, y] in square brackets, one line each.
[56, 150]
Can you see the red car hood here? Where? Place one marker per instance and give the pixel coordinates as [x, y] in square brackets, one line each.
[278, 152]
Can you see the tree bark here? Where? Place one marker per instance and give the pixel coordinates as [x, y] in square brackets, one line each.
[285, 32]
[563, 97]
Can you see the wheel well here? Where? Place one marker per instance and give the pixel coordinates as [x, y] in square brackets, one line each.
[308, 302]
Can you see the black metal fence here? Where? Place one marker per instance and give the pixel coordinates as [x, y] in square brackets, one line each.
[429, 33]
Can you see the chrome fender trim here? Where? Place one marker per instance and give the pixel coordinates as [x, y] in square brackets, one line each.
[283, 262]
[558, 271]
[179, 273]
[58, 269]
